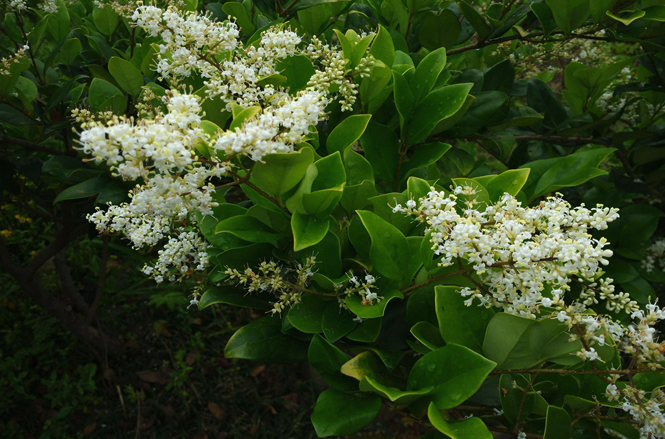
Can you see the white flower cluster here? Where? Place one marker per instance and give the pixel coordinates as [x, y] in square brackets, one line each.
[276, 129]
[516, 251]
[188, 39]
[655, 257]
[19, 5]
[182, 253]
[645, 408]
[364, 289]
[49, 6]
[134, 149]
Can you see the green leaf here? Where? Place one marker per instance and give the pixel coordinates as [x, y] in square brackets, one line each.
[307, 315]
[510, 181]
[440, 30]
[360, 49]
[649, 381]
[313, 19]
[297, 69]
[381, 147]
[422, 157]
[327, 359]
[369, 364]
[307, 230]
[347, 133]
[248, 228]
[544, 14]
[240, 258]
[500, 77]
[437, 106]
[341, 413]
[237, 10]
[382, 47]
[105, 19]
[58, 22]
[392, 394]
[427, 72]
[280, 172]
[242, 116]
[507, 341]
[390, 251]
[128, 77]
[366, 332]
[404, 100]
[235, 296]
[70, 50]
[476, 20]
[465, 429]
[84, 189]
[428, 335]
[358, 169]
[455, 371]
[458, 323]
[101, 94]
[628, 16]
[570, 14]
[354, 303]
[15, 69]
[337, 322]
[557, 423]
[263, 340]
[550, 175]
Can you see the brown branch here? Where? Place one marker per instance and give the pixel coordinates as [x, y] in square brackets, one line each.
[596, 372]
[101, 279]
[36, 147]
[68, 284]
[519, 410]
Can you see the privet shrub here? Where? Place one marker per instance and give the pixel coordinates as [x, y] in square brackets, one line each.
[382, 178]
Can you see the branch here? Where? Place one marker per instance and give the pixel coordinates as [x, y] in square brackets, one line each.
[597, 372]
[68, 284]
[62, 238]
[101, 280]
[36, 147]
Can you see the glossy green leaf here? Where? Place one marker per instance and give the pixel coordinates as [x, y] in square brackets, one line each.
[422, 157]
[327, 359]
[243, 115]
[237, 10]
[236, 296]
[458, 323]
[435, 107]
[390, 251]
[85, 189]
[392, 394]
[465, 429]
[280, 172]
[507, 341]
[248, 228]
[101, 92]
[476, 20]
[440, 30]
[366, 331]
[337, 322]
[569, 14]
[428, 335]
[510, 182]
[382, 47]
[381, 147]
[557, 423]
[550, 175]
[427, 72]
[307, 230]
[126, 75]
[263, 340]
[377, 309]
[455, 371]
[347, 133]
[59, 22]
[341, 413]
[105, 19]
[297, 70]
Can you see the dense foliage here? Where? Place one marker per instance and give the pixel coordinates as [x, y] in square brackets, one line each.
[446, 208]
